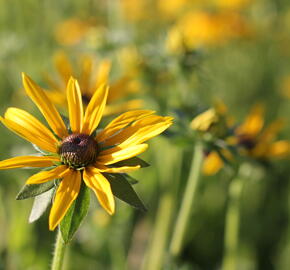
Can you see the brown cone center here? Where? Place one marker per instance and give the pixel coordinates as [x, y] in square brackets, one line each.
[78, 150]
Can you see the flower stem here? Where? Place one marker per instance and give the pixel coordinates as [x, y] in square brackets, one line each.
[232, 226]
[58, 255]
[188, 199]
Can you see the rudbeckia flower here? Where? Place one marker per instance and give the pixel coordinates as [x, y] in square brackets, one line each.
[78, 154]
[252, 140]
[90, 77]
[202, 29]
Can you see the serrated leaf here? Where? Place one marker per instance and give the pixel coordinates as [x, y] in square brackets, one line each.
[74, 216]
[122, 189]
[33, 190]
[134, 161]
[40, 204]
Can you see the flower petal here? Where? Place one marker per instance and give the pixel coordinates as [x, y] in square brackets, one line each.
[46, 107]
[95, 110]
[120, 122]
[253, 123]
[63, 66]
[28, 135]
[122, 154]
[124, 106]
[212, 164]
[123, 169]
[44, 176]
[67, 192]
[279, 149]
[75, 105]
[30, 124]
[139, 132]
[102, 75]
[28, 161]
[102, 188]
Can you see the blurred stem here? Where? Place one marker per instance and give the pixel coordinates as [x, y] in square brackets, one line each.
[155, 256]
[187, 202]
[232, 226]
[58, 254]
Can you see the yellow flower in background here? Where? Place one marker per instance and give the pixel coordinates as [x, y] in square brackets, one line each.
[198, 29]
[90, 77]
[71, 31]
[134, 11]
[77, 154]
[252, 140]
[214, 121]
[259, 142]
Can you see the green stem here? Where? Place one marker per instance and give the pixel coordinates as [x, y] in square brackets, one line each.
[58, 255]
[187, 202]
[169, 175]
[232, 226]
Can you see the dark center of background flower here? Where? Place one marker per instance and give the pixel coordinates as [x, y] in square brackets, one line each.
[78, 150]
[247, 142]
[86, 99]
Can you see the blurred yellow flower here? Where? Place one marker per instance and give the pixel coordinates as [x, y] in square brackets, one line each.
[198, 29]
[253, 141]
[90, 78]
[134, 11]
[71, 31]
[76, 153]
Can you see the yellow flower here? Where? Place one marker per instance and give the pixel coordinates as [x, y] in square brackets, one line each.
[252, 141]
[77, 154]
[90, 78]
[258, 142]
[71, 31]
[197, 29]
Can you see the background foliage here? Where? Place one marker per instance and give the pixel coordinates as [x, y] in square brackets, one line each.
[241, 71]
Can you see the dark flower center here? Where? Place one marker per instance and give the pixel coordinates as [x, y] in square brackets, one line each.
[78, 150]
[247, 142]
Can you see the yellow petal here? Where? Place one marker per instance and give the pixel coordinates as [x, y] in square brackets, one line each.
[75, 105]
[85, 77]
[102, 75]
[122, 154]
[28, 135]
[139, 132]
[28, 161]
[29, 124]
[271, 131]
[124, 106]
[205, 120]
[124, 169]
[63, 66]
[46, 107]
[44, 176]
[67, 192]
[95, 110]
[279, 149]
[120, 122]
[102, 188]
[253, 123]
[212, 164]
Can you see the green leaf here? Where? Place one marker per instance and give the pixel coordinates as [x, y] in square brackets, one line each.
[134, 161]
[122, 189]
[40, 204]
[75, 214]
[130, 179]
[29, 191]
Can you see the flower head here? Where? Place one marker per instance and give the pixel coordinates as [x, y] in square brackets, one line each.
[252, 140]
[90, 78]
[77, 153]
